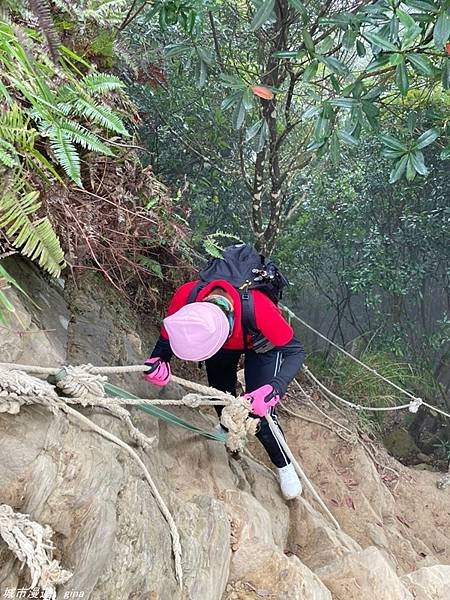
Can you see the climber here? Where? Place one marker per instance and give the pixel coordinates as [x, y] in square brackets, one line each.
[232, 311]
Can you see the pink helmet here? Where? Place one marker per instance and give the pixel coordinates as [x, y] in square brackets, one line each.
[197, 331]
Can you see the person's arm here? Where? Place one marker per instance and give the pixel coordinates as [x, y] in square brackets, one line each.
[272, 324]
[162, 349]
[293, 359]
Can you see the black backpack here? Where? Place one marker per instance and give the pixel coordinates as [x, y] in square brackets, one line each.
[246, 270]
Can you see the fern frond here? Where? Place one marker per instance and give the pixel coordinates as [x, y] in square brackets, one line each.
[42, 245]
[151, 265]
[8, 155]
[14, 128]
[78, 134]
[36, 240]
[41, 9]
[107, 12]
[101, 115]
[212, 246]
[102, 83]
[65, 153]
[212, 249]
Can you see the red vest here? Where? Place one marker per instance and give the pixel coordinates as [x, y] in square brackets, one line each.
[268, 317]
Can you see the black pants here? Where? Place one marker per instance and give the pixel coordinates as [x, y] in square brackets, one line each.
[259, 370]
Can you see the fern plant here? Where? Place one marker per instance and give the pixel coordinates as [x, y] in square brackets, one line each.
[68, 114]
[214, 247]
[34, 238]
[50, 114]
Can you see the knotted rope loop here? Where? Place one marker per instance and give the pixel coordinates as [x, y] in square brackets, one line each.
[415, 404]
[32, 544]
[80, 382]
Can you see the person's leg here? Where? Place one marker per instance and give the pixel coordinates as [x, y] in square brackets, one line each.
[259, 370]
[221, 370]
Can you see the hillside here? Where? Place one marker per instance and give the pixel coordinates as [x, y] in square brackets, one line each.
[239, 539]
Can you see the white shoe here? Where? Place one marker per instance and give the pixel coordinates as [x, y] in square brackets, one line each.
[290, 484]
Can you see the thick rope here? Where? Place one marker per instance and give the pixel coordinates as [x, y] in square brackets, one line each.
[276, 432]
[32, 544]
[235, 415]
[176, 544]
[412, 406]
[18, 388]
[292, 315]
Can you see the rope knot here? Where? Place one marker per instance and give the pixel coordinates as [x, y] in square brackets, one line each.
[236, 418]
[415, 404]
[80, 382]
[192, 400]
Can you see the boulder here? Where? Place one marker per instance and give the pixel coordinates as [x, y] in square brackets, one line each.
[429, 583]
[263, 571]
[363, 575]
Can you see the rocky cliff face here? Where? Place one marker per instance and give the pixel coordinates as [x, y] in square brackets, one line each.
[240, 540]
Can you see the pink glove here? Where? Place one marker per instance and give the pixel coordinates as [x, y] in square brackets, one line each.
[262, 399]
[158, 371]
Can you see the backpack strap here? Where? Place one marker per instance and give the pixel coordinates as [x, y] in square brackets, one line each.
[260, 343]
[196, 291]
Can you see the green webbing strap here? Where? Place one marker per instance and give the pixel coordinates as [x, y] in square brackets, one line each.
[165, 415]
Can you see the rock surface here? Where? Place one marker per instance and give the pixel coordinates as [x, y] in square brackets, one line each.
[240, 540]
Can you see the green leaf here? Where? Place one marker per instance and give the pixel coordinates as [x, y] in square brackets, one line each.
[426, 138]
[441, 31]
[401, 78]
[405, 19]
[285, 54]
[396, 58]
[377, 63]
[410, 170]
[232, 81]
[325, 45]
[334, 149]
[230, 101]
[348, 138]
[102, 83]
[98, 113]
[308, 41]
[418, 162]
[202, 73]
[344, 102]
[298, 6]
[422, 5]
[334, 64]
[262, 15]
[380, 41]
[392, 153]
[360, 48]
[253, 130]
[66, 154]
[411, 121]
[310, 71]
[247, 99]
[446, 73]
[239, 114]
[399, 169]
[152, 265]
[421, 64]
[310, 112]
[175, 50]
[445, 154]
[349, 39]
[322, 128]
[85, 138]
[393, 143]
[72, 55]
